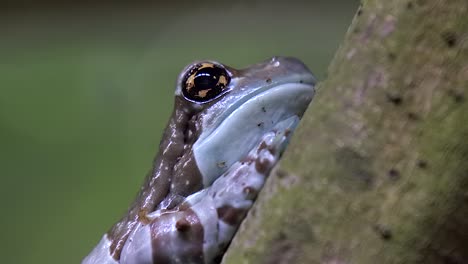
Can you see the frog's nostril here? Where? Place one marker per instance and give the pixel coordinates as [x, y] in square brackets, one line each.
[288, 61]
[276, 61]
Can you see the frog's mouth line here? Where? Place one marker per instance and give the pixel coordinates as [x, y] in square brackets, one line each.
[241, 125]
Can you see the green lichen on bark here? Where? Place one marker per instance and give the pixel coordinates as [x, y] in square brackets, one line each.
[378, 169]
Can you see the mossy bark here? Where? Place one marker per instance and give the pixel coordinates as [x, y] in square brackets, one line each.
[378, 170]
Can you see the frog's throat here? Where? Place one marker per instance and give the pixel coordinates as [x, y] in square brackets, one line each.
[242, 128]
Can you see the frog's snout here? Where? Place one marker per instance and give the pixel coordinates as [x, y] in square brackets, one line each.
[288, 66]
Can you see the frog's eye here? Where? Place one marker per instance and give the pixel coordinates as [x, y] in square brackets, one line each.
[205, 82]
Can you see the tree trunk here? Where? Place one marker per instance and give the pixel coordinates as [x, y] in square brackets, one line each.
[378, 170]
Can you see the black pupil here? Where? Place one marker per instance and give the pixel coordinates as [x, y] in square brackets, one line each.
[207, 78]
[205, 82]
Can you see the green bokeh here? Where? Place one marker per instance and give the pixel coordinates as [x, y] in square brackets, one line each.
[86, 93]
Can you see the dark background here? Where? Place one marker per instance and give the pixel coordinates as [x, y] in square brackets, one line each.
[86, 90]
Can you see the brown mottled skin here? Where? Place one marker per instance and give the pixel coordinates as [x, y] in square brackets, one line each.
[231, 215]
[157, 183]
[191, 241]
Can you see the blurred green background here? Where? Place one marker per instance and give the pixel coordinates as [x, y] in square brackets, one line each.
[85, 92]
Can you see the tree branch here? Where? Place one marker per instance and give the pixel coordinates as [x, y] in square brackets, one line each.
[378, 169]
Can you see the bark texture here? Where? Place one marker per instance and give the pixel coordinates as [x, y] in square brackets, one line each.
[378, 170]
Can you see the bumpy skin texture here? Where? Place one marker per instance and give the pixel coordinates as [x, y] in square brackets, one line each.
[212, 161]
[199, 229]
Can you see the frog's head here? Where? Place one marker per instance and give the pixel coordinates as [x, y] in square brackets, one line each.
[230, 110]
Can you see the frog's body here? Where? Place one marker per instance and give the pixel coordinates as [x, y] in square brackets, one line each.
[227, 131]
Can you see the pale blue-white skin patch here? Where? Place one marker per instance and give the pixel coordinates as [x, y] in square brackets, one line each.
[100, 253]
[245, 125]
[143, 252]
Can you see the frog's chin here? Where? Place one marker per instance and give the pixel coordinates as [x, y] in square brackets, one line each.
[242, 129]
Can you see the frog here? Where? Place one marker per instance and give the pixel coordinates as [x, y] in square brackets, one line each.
[228, 129]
